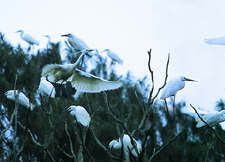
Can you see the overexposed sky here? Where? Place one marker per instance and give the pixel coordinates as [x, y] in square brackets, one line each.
[130, 28]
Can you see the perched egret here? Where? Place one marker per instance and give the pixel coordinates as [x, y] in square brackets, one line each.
[113, 56]
[22, 99]
[211, 118]
[127, 145]
[46, 88]
[215, 41]
[173, 86]
[80, 80]
[27, 38]
[80, 114]
[75, 42]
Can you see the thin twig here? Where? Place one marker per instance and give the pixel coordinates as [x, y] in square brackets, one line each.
[164, 84]
[144, 113]
[155, 153]
[64, 152]
[16, 95]
[122, 124]
[151, 72]
[71, 144]
[31, 135]
[50, 155]
[214, 131]
[102, 146]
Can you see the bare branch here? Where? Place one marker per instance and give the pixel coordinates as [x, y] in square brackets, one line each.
[151, 72]
[31, 135]
[71, 144]
[64, 152]
[121, 123]
[164, 84]
[102, 146]
[155, 153]
[214, 131]
[50, 155]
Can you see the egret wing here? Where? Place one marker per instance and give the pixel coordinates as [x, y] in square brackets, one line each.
[85, 82]
[114, 57]
[57, 72]
[28, 38]
[216, 41]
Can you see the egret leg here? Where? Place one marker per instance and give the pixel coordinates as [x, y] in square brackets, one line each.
[167, 110]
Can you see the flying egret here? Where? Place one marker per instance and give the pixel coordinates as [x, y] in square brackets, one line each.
[127, 145]
[80, 80]
[22, 99]
[113, 56]
[27, 38]
[172, 87]
[58, 72]
[75, 42]
[215, 41]
[80, 114]
[46, 88]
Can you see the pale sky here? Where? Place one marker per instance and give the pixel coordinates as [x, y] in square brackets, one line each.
[130, 28]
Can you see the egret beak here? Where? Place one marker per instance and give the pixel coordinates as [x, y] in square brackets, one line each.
[186, 79]
[67, 109]
[65, 35]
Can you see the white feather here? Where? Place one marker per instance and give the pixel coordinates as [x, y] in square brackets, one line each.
[85, 82]
[215, 41]
[57, 72]
[28, 38]
[172, 87]
[113, 56]
[127, 146]
[76, 43]
[211, 119]
[80, 114]
[22, 99]
[46, 88]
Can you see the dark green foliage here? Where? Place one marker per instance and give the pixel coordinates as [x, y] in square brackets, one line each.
[48, 120]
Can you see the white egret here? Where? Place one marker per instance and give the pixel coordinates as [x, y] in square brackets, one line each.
[75, 42]
[22, 99]
[46, 88]
[80, 114]
[58, 72]
[127, 145]
[172, 87]
[215, 41]
[27, 38]
[113, 56]
[80, 80]
[212, 118]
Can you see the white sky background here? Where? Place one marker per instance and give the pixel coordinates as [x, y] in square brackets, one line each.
[130, 28]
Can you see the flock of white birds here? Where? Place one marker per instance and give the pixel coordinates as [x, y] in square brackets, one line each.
[88, 83]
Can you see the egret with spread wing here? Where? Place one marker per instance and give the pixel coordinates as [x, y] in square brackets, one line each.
[81, 81]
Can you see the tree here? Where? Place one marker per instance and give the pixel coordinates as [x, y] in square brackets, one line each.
[50, 133]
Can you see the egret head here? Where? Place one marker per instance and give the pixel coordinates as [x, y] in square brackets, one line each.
[71, 110]
[187, 79]
[19, 31]
[67, 35]
[106, 50]
[10, 94]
